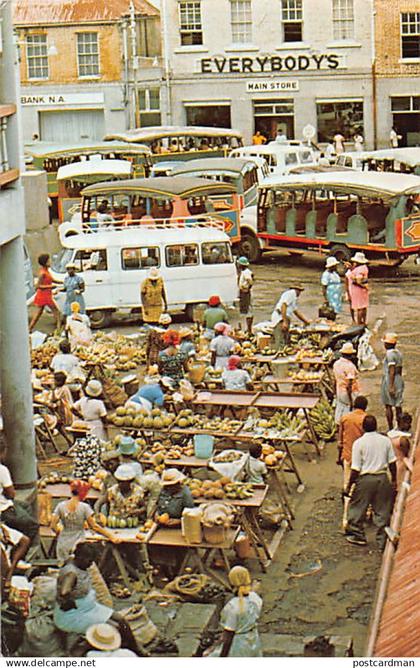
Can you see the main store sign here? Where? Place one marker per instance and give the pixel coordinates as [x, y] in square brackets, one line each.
[53, 99]
[272, 86]
[261, 64]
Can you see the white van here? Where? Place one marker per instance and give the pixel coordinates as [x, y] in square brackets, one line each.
[281, 158]
[114, 263]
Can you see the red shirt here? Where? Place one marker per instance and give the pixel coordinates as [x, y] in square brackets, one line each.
[351, 429]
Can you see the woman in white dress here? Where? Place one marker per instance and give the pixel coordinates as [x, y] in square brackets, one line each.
[92, 409]
[78, 327]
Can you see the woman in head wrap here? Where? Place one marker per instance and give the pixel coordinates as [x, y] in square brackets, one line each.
[212, 315]
[154, 343]
[172, 362]
[240, 616]
[78, 327]
[153, 297]
[234, 377]
[221, 346]
[73, 514]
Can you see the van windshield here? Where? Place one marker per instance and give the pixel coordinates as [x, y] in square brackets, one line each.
[59, 261]
[216, 253]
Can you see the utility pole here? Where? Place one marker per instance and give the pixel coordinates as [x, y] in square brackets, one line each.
[373, 70]
[134, 63]
[166, 60]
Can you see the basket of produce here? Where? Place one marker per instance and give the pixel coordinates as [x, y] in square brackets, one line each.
[229, 463]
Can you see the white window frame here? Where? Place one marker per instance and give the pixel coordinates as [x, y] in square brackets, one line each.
[241, 21]
[409, 33]
[190, 19]
[81, 54]
[148, 108]
[42, 37]
[343, 19]
[292, 12]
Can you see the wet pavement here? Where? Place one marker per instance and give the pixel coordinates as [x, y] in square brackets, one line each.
[335, 591]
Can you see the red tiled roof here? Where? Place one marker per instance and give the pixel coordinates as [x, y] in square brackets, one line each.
[47, 12]
[399, 628]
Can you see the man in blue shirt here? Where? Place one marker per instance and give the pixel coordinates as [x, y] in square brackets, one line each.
[152, 393]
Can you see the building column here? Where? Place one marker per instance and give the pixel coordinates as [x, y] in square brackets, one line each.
[15, 367]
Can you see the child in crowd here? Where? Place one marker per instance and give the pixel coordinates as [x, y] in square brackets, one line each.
[255, 468]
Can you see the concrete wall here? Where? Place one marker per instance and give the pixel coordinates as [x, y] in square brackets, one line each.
[41, 237]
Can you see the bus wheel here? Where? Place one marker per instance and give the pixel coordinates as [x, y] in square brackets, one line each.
[250, 247]
[341, 252]
[99, 319]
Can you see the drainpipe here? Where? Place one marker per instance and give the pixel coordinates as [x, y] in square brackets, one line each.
[166, 60]
[134, 63]
[373, 66]
[126, 74]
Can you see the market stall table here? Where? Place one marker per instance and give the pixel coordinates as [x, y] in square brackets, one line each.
[173, 539]
[61, 490]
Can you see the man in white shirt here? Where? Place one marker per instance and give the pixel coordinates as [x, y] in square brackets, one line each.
[394, 138]
[372, 457]
[14, 514]
[286, 307]
[245, 283]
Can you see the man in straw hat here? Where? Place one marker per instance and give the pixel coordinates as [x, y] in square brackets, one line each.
[105, 641]
[174, 497]
[392, 387]
[346, 377]
[357, 288]
[285, 309]
[331, 285]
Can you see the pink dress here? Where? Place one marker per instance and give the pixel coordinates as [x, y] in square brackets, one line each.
[359, 296]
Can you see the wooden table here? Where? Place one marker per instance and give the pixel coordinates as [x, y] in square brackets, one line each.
[173, 539]
[275, 384]
[61, 490]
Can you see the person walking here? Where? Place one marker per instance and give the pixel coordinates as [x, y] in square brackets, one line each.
[286, 307]
[392, 388]
[239, 618]
[332, 288]
[358, 142]
[73, 286]
[349, 431]
[153, 297]
[259, 139]
[372, 457]
[346, 377]
[358, 287]
[394, 138]
[44, 293]
[338, 141]
[245, 284]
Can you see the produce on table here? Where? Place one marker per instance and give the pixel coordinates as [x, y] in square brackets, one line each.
[54, 478]
[219, 489]
[305, 375]
[141, 419]
[270, 456]
[283, 424]
[41, 357]
[268, 351]
[322, 418]
[245, 349]
[227, 457]
[117, 522]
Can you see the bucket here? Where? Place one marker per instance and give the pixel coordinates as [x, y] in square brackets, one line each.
[203, 446]
[196, 372]
[214, 535]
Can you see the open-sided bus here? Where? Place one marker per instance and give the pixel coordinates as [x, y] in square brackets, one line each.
[160, 202]
[50, 157]
[173, 142]
[400, 160]
[340, 212]
[73, 178]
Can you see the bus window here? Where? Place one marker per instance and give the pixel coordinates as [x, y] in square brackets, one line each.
[290, 158]
[88, 260]
[305, 157]
[250, 179]
[216, 253]
[182, 256]
[139, 258]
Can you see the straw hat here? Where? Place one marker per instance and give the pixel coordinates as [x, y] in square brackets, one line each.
[93, 388]
[390, 337]
[154, 273]
[127, 446]
[296, 286]
[79, 425]
[331, 262]
[184, 332]
[125, 472]
[172, 477]
[104, 637]
[347, 348]
[71, 265]
[360, 258]
[165, 319]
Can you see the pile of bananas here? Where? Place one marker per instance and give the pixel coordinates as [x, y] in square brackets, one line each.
[322, 417]
[119, 591]
[239, 490]
[305, 375]
[287, 351]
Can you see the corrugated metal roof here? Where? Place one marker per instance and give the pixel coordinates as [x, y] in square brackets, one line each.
[47, 12]
[399, 628]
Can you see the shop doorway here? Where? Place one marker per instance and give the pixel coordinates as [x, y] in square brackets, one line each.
[273, 117]
[210, 116]
[406, 119]
[66, 126]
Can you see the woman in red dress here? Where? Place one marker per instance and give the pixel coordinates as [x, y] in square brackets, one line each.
[44, 295]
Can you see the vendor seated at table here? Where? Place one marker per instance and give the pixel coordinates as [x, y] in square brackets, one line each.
[234, 377]
[66, 361]
[13, 548]
[174, 497]
[127, 452]
[152, 393]
[187, 345]
[255, 469]
[128, 498]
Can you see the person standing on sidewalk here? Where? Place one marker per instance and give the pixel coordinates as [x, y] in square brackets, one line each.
[372, 457]
[245, 283]
[350, 430]
[392, 388]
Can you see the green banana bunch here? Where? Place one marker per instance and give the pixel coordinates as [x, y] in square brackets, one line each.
[322, 418]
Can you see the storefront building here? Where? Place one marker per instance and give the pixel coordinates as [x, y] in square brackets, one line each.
[87, 68]
[397, 29]
[271, 65]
